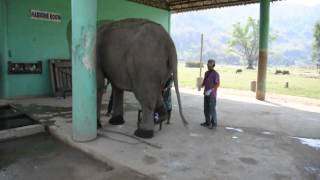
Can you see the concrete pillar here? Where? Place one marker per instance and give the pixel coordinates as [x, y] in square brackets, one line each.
[3, 49]
[263, 49]
[84, 93]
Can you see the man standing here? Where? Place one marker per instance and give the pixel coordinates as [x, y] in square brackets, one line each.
[166, 94]
[211, 83]
[110, 99]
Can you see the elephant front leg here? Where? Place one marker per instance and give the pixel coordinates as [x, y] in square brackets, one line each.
[145, 128]
[117, 116]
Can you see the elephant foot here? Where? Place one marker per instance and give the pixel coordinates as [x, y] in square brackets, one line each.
[117, 120]
[146, 134]
[99, 126]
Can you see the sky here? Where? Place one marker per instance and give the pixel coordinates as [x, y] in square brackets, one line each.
[304, 2]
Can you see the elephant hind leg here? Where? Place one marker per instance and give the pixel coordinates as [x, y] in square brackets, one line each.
[117, 116]
[116, 120]
[146, 123]
[147, 134]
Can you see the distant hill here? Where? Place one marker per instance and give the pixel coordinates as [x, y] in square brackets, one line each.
[293, 23]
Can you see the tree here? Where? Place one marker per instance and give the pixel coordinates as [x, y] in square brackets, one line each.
[316, 43]
[245, 41]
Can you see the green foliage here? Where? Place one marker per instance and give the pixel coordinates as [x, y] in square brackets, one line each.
[316, 43]
[302, 81]
[293, 24]
[245, 40]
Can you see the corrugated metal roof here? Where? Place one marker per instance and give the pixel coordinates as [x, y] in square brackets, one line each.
[176, 6]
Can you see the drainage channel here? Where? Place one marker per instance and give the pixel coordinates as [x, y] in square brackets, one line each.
[16, 123]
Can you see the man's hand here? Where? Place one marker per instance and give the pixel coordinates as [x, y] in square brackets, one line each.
[208, 93]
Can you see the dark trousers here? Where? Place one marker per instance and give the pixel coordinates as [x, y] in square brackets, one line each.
[210, 110]
[110, 103]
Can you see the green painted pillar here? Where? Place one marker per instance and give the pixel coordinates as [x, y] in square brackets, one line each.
[169, 23]
[84, 93]
[263, 49]
[3, 49]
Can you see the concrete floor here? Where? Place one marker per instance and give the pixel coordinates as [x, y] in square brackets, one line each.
[43, 157]
[254, 139]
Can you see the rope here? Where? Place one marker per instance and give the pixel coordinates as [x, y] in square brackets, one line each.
[103, 133]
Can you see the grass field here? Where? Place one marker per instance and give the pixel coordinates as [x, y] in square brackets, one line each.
[303, 82]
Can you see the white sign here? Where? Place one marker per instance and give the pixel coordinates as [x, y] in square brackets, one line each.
[44, 15]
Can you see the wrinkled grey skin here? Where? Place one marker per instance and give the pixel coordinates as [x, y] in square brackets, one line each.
[139, 56]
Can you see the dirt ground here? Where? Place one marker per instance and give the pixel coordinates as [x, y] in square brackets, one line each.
[274, 139]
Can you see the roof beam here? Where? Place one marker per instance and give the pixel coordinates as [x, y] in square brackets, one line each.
[192, 5]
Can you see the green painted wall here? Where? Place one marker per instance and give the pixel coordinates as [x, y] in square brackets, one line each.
[3, 49]
[120, 9]
[33, 40]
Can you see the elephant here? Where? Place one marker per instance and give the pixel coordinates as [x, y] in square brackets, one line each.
[136, 55]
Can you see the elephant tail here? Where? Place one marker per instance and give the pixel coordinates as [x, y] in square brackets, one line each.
[174, 65]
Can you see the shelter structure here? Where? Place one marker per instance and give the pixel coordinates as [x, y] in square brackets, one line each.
[32, 32]
[176, 6]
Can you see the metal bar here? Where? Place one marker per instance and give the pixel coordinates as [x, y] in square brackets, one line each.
[201, 55]
[263, 49]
